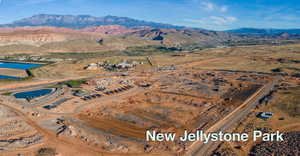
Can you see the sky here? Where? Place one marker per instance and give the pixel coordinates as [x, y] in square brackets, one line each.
[207, 14]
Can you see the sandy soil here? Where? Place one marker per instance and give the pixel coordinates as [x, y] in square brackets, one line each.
[13, 72]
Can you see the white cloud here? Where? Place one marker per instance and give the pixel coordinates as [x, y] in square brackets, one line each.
[195, 21]
[37, 1]
[223, 8]
[213, 20]
[222, 20]
[209, 6]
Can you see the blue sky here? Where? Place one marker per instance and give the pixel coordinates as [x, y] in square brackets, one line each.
[209, 14]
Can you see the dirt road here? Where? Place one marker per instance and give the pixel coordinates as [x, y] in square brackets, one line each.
[45, 83]
[200, 149]
[66, 146]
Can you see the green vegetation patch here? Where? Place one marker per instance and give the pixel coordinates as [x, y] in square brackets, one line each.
[73, 83]
[7, 94]
[149, 50]
[83, 55]
[130, 51]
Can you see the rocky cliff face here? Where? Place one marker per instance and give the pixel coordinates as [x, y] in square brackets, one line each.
[173, 37]
[44, 28]
[33, 35]
[36, 29]
[37, 38]
[113, 37]
[42, 35]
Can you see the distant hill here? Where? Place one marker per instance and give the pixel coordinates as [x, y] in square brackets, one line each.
[113, 38]
[185, 38]
[256, 31]
[83, 21]
[68, 33]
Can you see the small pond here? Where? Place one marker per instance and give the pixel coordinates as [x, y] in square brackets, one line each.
[29, 95]
[13, 65]
[8, 77]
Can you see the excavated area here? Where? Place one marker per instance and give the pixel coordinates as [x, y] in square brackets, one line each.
[174, 102]
[15, 133]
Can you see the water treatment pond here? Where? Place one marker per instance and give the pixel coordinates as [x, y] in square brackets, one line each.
[29, 95]
[14, 65]
[8, 77]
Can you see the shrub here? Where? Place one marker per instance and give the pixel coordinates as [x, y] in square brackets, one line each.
[46, 152]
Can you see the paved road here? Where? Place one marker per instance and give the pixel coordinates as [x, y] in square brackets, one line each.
[200, 149]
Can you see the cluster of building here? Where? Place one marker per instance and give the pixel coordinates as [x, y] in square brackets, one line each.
[35, 58]
[94, 96]
[90, 97]
[107, 86]
[56, 104]
[118, 90]
[264, 115]
[171, 67]
[112, 66]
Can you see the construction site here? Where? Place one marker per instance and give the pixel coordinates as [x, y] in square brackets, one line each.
[112, 113]
[149, 78]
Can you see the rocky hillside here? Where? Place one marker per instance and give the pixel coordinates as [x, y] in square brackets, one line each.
[118, 36]
[83, 21]
[54, 39]
[267, 33]
[36, 35]
[114, 37]
[185, 37]
[110, 29]
[264, 31]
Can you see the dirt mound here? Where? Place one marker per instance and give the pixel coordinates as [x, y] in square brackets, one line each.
[15, 133]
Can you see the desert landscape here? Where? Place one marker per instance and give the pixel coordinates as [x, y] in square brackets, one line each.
[87, 86]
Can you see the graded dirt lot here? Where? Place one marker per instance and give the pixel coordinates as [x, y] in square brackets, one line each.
[116, 120]
[175, 101]
[285, 106]
[13, 72]
[109, 112]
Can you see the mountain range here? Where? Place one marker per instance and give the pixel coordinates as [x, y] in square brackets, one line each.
[257, 31]
[83, 33]
[83, 21]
